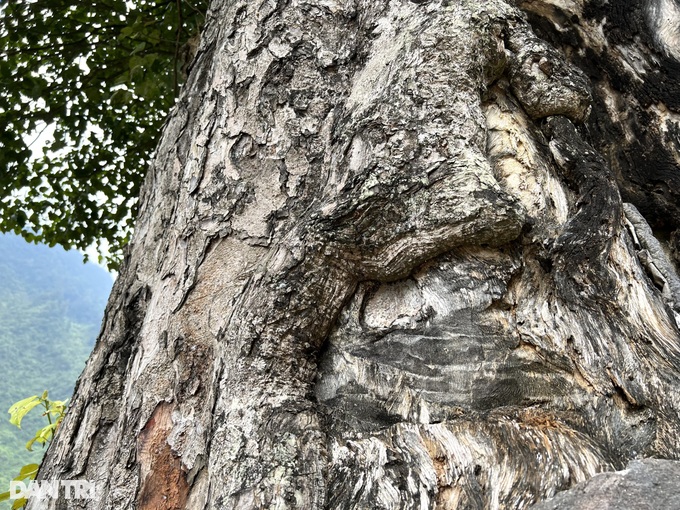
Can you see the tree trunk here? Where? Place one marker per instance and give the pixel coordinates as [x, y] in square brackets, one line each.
[382, 261]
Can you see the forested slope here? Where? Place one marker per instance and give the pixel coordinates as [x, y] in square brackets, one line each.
[51, 306]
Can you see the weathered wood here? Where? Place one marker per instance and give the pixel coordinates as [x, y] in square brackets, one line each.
[382, 261]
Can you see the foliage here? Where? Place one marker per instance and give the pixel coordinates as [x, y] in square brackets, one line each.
[51, 307]
[27, 473]
[102, 75]
[54, 412]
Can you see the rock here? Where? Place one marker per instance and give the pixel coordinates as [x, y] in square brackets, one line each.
[645, 484]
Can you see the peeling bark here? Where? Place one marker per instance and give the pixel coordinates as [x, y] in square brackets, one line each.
[382, 261]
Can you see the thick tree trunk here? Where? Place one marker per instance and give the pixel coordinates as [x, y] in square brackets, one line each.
[382, 261]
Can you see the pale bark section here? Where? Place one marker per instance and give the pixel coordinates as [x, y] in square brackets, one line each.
[376, 266]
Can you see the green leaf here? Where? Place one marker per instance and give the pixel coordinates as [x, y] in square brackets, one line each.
[120, 97]
[21, 408]
[138, 48]
[19, 503]
[28, 471]
[57, 405]
[42, 436]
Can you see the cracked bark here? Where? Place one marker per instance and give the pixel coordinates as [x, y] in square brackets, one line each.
[382, 261]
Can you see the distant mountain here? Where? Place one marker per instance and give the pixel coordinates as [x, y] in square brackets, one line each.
[51, 307]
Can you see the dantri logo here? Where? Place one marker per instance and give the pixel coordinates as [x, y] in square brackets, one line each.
[53, 489]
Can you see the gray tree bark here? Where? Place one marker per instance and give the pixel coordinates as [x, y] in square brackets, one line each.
[383, 261]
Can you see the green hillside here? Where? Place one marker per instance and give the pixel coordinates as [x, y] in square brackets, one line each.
[51, 307]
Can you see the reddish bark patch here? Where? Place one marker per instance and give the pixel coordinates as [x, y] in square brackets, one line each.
[163, 481]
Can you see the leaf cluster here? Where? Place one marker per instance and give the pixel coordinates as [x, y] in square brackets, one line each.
[97, 79]
[27, 473]
[54, 412]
